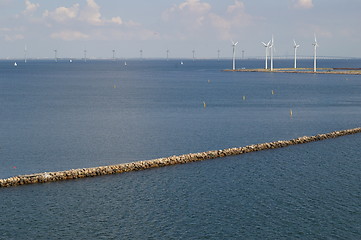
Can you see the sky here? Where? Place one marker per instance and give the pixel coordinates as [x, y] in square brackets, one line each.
[181, 26]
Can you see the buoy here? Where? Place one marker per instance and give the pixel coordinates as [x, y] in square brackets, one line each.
[209, 81]
[14, 167]
[291, 113]
[204, 104]
[273, 92]
[244, 98]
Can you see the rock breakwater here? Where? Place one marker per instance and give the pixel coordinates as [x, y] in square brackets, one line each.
[162, 162]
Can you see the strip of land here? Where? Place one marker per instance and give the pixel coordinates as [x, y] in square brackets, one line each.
[347, 71]
[162, 162]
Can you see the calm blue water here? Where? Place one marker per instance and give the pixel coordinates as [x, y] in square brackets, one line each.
[58, 116]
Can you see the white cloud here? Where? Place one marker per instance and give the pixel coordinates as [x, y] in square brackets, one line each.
[69, 35]
[195, 6]
[191, 13]
[14, 37]
[116, 20]
[303, 4]
[30, 7]
[62, 14]
[193, 16]
[91, 13]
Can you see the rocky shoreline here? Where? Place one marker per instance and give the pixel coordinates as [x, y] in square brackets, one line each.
[162, 162]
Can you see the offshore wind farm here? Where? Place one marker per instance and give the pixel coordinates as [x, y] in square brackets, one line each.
[269, 47]
[183, 119]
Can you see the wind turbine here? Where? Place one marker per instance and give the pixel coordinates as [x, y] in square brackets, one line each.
[234, 44]
[113, 54]
[56, 55]
[85, 55]
[25, 53]
[271, 48]
[167, 54]
[193, 51]
[218, 51]
[315, 45]
[267, 46]
[295, 46]
[141, 54]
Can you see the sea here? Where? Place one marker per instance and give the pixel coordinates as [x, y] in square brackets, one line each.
[64, 115]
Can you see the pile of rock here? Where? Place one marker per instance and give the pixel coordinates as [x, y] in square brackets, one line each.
[161, 162]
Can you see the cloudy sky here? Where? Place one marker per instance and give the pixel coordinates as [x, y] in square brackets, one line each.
[178, 25]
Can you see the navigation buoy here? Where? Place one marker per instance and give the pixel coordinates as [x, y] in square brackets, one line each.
[204, 104]
[291, 113]
[244, 98]
[273, 92]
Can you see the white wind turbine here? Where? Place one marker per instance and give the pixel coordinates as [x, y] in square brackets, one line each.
[25, 53]
[295, 46]
[315, 45]
[271, 47]
[234, 44]
[267, 46]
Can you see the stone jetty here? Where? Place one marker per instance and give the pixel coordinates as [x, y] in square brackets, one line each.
[162, 162]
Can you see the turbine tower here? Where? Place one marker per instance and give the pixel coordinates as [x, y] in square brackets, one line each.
[218, 51]
[113, 54]
[267, 46]
[315, 45]
[167, 54]
[295, 46]
[193, 51]
[234, 44]
[141, 54]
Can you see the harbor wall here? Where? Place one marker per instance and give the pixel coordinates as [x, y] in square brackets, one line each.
[162, 162]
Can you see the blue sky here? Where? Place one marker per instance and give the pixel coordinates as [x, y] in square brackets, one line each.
[178, 25]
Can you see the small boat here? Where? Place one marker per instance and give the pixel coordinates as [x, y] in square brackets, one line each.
[15, 64]
[181, 62]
